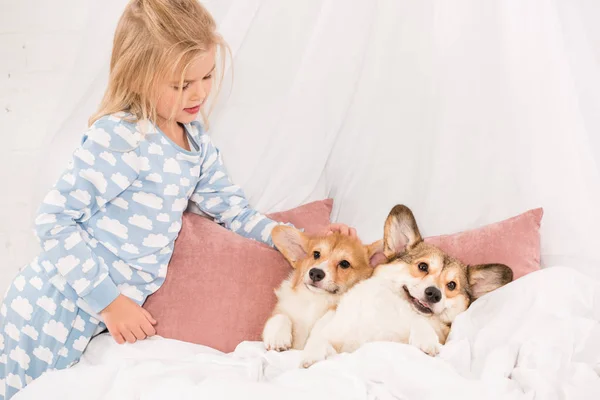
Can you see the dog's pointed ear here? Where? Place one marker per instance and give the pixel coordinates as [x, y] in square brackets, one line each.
[487, 277]
[375, 253]
[401, 232]
[290, 242]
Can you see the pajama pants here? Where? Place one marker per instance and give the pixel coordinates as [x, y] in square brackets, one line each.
[40, 330]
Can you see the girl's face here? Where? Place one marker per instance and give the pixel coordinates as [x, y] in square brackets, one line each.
[197, 84]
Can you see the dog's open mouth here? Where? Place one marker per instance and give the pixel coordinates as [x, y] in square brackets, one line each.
[418, 304]
[315, 288]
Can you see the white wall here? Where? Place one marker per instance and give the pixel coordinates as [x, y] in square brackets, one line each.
[39, 41]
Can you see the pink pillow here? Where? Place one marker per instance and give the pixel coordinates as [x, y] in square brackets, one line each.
[514, 242]
[219, 287]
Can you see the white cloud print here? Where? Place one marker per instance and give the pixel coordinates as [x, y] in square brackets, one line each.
[141, 221]
[151, 259]
[12, 331]
[131, 291]
[44, 354]
[144, 164]
[158, 240]
[155, 149]
[123, 268]
[79, 324]
[19, 283]
[148, 199]
[80, 343]
[14, 381]
[121, 203]
[113, 226]
[131, 159]
[47, 304]
[175, 227]
[19, 356]
[82, 195]
[154, 177]
[66, 264]
[80, 285]
[172, 166]
[36, 282]
[30, 331]
[109, 158]
[43, 219]
[72, 240]
[130, 248]
[56, 329]
[50, 244]
[171, 190]
[54, 198]
[162, 217]
[99, 136]
[132, 138]
[120, 180]
[69, 178]
[95, 178]
[22, 307]
[68, 305]
[85, 155]
[179, 204]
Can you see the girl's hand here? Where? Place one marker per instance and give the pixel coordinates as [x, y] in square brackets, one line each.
[127, 321]
[343, 229]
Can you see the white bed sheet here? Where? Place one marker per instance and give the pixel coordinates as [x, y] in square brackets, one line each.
[536, 338]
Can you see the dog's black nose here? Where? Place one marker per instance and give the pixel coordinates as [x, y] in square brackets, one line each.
[433, 294]
[316, 274]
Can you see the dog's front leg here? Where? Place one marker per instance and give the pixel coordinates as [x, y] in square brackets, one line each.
[277, 334]
[424, 336]
[318, 347]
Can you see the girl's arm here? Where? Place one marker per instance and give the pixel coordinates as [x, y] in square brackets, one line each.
[95, 176]
[218, 197]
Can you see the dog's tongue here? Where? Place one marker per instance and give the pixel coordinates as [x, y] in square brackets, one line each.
[422, 304]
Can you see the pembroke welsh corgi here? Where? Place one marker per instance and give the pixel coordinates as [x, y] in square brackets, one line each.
[412, 298]
[324, 268]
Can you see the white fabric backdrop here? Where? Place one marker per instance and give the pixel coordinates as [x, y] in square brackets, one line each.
[467, 111]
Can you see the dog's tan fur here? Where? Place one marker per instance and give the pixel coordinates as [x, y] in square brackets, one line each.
[301, 302]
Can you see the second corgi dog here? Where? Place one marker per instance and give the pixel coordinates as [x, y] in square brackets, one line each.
[412, 298]
[325, 267]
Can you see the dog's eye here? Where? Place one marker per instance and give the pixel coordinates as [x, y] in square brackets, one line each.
[316, 255]
[451, 285]
[344, 264]
[423, 267]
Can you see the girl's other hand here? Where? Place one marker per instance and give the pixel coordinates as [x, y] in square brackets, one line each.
[343, 229]
[127, 321]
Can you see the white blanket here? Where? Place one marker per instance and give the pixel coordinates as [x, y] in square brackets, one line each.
[536, 338]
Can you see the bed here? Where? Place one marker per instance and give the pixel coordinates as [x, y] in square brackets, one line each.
[468, 112]
[537, 338]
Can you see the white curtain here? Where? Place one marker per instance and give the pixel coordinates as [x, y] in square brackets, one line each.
[468, 111]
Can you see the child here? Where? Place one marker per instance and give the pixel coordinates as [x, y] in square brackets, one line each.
[108, 225]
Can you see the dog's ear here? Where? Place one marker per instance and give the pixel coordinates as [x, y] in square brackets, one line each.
[290, 242]
[401, 232]
[375, 253]
[487, 277]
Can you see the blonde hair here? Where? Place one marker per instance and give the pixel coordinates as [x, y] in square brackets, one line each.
[153, 39]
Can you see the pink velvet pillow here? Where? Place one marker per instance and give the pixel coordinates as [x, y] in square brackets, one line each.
[514, 242]
[219, 287]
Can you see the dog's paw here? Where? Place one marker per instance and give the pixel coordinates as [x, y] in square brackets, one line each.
[277, 334]
[426, 340]
[311, 357]
[316, 351]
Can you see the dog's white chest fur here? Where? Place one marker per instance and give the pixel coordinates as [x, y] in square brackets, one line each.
[373, 311]
[296, 313]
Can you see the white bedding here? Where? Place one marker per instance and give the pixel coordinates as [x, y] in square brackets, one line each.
[536, 338]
